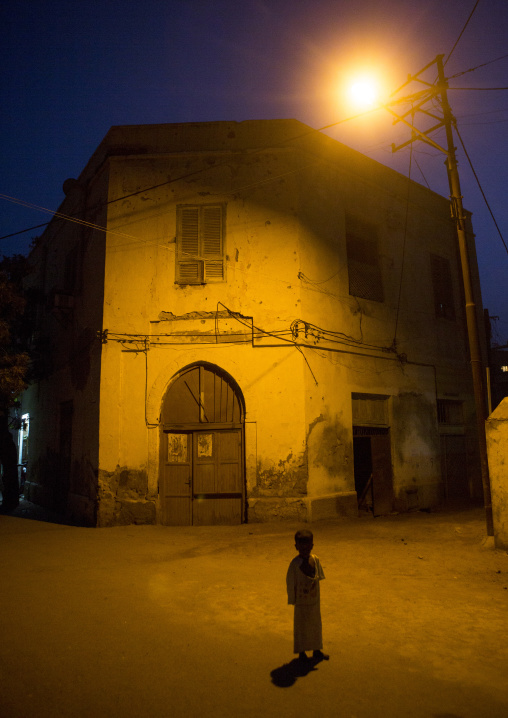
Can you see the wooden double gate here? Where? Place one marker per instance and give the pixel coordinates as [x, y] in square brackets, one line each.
[202, 481]
[201, 477]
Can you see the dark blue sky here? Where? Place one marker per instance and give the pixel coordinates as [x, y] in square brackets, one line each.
[71, 70]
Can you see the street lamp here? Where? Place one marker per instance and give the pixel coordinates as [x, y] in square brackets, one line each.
[419, 100]
[364, 92]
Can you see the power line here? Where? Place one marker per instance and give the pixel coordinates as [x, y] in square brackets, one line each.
[421, 171]
[72, 218]
[403, 246]
[170, 181]
[478, 89]
[60, 215]
[462, 32]
[479, 185]
[482, 114]
[22, 231]
[472, 69]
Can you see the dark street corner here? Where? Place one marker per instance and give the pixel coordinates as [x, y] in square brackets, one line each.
[193, 621]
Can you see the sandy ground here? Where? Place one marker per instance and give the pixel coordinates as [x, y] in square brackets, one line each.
[151, 621]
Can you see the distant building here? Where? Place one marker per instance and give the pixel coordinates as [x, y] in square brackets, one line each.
[498, 365]
[247, 322]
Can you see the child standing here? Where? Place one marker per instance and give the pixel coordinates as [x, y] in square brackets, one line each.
[303, 577]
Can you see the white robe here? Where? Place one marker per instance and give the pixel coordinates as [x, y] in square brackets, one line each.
[303, 593]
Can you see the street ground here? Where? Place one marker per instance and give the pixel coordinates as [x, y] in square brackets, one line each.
[153, 621]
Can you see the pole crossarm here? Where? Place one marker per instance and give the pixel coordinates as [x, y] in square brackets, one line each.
[437, 89]
[422, 135]
[413, 78]
[417, 107]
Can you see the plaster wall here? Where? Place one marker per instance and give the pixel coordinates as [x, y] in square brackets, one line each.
[410, 223]
[275, 457]
[497, 448]
[66, 287]
[423, 357]
[142, 299]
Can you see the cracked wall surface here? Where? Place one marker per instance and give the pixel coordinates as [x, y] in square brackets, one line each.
[123, 498]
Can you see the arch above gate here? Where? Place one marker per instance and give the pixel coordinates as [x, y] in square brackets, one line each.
[203, 394]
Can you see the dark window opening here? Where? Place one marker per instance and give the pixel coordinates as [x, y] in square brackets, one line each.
[363, 266]
[442, 286]
[450, 411]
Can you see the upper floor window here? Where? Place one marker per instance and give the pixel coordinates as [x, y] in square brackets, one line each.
[70, 274]
[363, 266]
[442, 286]
[363, 259]
[200, 254]
[450, 411]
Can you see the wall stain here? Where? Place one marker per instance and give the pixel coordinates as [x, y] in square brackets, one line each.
[333, 448]
[288, 477]
[421, 417]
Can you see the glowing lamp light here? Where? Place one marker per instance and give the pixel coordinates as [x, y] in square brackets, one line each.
[364, 93]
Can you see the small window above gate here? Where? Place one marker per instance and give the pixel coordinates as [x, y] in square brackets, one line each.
[370, 409]
[202, 394]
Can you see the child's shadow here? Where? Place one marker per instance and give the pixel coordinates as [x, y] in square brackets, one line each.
[286, 675]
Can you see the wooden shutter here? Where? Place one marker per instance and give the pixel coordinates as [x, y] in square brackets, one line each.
[190, 272]
[189, 231]
[212, 243]
[212, 232]
[189, 267]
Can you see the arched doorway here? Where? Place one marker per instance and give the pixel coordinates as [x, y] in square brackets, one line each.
[201, 449]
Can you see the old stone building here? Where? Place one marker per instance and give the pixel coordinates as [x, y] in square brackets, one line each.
[245, 322]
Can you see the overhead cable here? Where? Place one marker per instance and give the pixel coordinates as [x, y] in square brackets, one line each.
[472, 69]
[406, 219]
[462, 31]
[480, 187]
[176, 179]
[478, 89]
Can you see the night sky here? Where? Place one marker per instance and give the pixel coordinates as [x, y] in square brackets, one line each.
[71, 70]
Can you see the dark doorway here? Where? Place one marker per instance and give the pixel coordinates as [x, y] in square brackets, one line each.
[65, 454]
[454, 467]
[362, 456]
[373, 469]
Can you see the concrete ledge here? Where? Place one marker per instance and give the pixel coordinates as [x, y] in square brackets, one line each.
[114, 512]
[417, 497]
[304, 509]
[332, 506]
[276, 509]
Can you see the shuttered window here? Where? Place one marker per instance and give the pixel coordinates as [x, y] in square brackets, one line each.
[442, 285]
[200, 244]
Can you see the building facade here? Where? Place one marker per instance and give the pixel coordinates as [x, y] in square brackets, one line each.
[247, 322]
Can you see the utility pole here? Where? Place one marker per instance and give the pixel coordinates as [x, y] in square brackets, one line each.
[458, 215]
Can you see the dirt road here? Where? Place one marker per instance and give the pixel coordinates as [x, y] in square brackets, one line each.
[150, 621]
